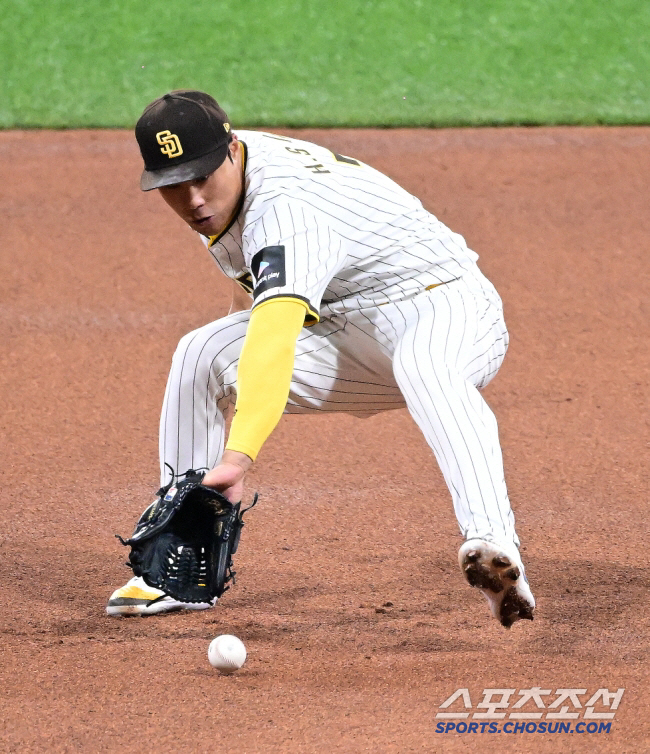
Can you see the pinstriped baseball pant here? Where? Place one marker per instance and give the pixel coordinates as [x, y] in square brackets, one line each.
[430, 353]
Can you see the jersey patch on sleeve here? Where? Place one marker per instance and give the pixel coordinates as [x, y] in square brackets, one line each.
[268, 269]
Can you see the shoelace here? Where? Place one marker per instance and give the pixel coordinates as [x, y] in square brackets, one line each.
[190, 472]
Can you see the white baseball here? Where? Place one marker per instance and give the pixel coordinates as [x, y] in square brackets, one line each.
[227, 653]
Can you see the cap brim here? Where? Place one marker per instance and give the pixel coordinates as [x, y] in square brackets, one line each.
[186, 171]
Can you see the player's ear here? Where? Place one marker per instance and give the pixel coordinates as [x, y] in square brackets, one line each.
[233, 148]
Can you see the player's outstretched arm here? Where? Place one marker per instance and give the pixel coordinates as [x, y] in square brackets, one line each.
[263, 382]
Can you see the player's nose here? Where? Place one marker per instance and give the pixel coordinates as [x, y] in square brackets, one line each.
[195, 197]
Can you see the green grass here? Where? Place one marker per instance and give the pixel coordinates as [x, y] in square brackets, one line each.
[69, 63]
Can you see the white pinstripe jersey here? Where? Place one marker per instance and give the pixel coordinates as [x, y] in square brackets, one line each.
[331, 231]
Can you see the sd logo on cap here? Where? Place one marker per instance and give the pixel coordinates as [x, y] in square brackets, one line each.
[171, 144]
[182, 135]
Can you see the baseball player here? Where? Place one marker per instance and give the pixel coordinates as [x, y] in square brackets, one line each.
[362, 301]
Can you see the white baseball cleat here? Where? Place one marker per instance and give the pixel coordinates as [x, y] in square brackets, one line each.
[138, 598]
[498, 572]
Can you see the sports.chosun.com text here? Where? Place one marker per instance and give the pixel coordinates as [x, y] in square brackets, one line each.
[522, 727]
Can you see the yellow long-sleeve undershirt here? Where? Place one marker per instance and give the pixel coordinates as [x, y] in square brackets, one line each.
[264, 372]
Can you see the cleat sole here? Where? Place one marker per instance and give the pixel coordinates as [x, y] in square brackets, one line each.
[495, 573]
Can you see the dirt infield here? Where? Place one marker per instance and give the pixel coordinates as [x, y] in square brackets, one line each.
[356, 618]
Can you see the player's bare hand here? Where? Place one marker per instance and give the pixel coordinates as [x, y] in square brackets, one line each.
[228, 475]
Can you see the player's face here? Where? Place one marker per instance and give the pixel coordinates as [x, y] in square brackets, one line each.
[207, 204]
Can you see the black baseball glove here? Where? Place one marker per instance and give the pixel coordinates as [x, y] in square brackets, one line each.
[185, 540]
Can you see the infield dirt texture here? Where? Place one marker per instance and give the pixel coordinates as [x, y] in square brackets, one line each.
[356, 618]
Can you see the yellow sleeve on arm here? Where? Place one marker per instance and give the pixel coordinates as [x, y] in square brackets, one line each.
[264, 372]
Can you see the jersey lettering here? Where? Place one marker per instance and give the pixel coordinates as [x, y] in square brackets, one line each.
[317, 168]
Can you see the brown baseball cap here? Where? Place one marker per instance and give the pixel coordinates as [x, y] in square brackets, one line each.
[182, 135]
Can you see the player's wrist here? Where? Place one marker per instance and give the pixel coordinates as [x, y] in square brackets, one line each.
[237, 458]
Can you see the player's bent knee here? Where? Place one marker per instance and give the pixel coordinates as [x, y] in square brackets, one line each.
[429, 375]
